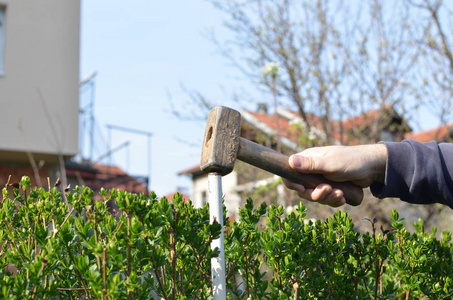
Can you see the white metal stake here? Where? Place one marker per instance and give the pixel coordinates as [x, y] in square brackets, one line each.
[216, 212]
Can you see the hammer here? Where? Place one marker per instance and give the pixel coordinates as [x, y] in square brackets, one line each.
[222, 145]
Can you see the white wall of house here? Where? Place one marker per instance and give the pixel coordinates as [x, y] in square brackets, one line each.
[200, 191]
[39, 76]
[229, 183]
[232, 199]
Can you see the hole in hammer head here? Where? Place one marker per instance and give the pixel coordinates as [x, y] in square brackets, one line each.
[209, 135]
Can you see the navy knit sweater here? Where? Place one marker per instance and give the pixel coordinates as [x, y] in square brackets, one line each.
[418, 173]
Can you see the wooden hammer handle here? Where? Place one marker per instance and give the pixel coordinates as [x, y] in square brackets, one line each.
[277, 163]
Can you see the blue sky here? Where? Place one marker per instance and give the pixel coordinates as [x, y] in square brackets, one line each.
[143, 52]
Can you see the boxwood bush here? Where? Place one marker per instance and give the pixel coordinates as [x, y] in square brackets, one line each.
[64, 245]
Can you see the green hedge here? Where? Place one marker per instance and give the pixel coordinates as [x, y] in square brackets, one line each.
[66, 246]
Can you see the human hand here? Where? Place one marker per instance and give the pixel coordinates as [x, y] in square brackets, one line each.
[362, 165]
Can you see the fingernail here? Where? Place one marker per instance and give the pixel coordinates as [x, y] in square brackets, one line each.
[327, 189]
[297, 161]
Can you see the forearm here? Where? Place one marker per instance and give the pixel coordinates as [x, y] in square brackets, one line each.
[378, 154]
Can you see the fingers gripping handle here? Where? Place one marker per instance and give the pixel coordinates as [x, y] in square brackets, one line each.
[277, 163]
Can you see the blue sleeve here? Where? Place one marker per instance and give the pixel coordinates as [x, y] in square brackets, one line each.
[418, 173]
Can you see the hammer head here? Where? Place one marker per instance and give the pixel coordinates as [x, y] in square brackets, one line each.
[221, 140]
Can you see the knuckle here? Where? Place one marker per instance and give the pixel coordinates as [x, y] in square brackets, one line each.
[310, 164]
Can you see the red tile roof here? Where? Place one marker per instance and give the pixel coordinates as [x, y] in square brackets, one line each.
[438, 134]
[293, 133]
[109, 169]
[285, 125]
[99, 176]
[184, 196]
[271, 122]
[190, 170]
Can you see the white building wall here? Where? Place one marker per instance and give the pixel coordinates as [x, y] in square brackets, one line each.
[39, 90]
[231, 197]
[229, 182]
[200, 191]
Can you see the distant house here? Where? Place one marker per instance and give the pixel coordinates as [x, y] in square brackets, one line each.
[39, 96]
[440, 134]
[200, 191]
[97, 176]
[292, 132]
[375, 125]
[39, 87]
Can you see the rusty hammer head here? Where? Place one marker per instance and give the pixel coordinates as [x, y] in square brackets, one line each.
[221, 140]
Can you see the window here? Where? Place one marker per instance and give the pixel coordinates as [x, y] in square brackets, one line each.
[204, 198]
[2, 37]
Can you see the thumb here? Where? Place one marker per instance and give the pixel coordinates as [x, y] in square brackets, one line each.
[303, 163]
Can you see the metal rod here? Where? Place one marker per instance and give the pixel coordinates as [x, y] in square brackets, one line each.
[111, 151]
[148, 183]
[143, 132]
[216, 212]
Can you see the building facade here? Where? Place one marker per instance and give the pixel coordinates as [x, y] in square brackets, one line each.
[39, 84]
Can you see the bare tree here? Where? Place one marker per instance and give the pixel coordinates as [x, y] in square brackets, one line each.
[302, 37]
[338, 58]
[435, 81]
[383, 57]
[434, 90]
